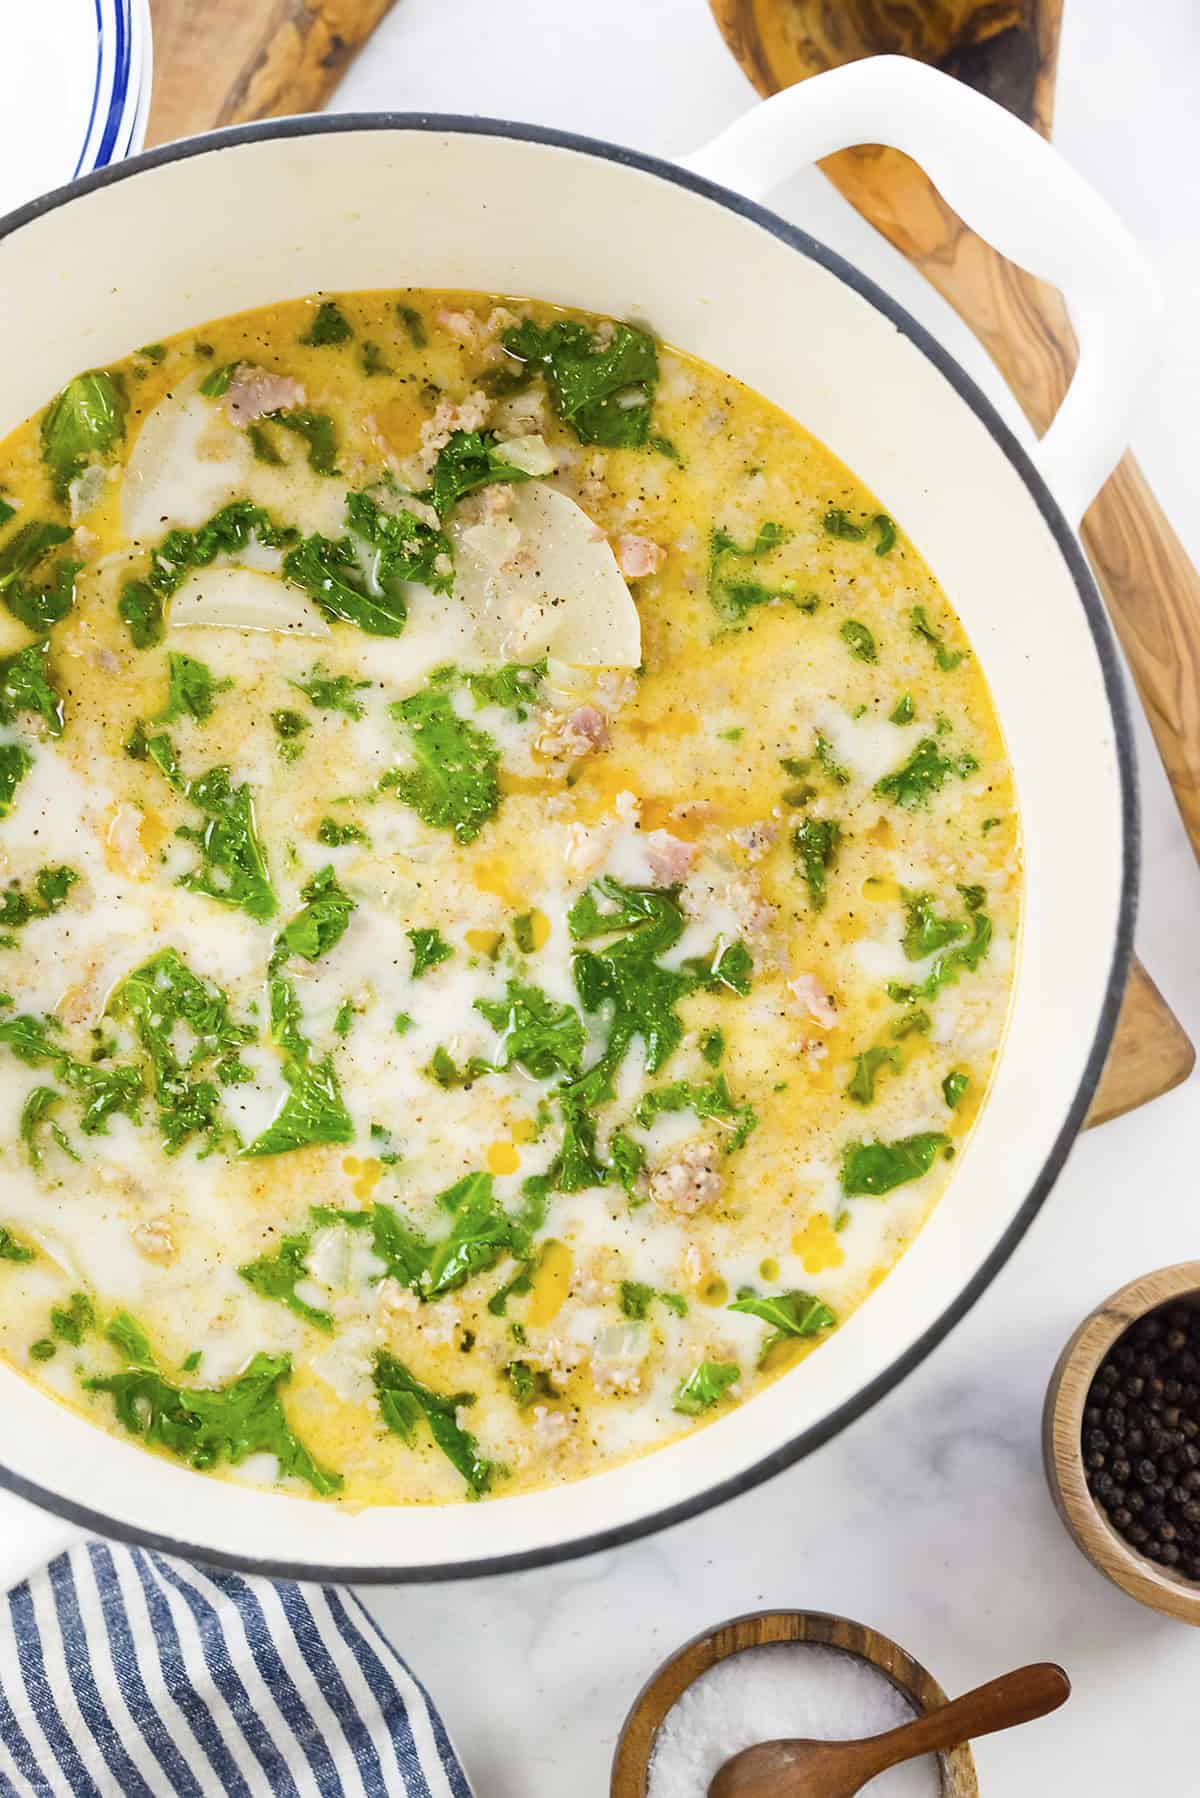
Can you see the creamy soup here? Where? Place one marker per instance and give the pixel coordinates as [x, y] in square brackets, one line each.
[511, 886]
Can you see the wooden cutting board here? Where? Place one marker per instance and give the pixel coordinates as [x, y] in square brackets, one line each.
[221, 62]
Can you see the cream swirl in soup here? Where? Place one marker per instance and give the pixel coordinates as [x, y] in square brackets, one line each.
[510, 890]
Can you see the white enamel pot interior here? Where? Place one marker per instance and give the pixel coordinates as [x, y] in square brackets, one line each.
[274, 211]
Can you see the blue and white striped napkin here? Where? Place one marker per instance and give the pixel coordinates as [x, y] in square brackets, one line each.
[123, 1672]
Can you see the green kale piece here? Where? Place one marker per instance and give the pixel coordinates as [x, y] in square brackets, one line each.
[332, 692]
[481, 1231]
[25, 687]
[453, 783]
[705, 1386]
[404, 1402]
[790, 1314]
[903, 712]
[469, 460]
[35, 1114]
[406, 547]
[711, 1100]
[626, 976]
[312, 1109]
[329, 326]
[192, 690]
[601, 384]
[169, 1006]
[924, 773]
[859, 641]
[289, 727]
[82, 424]
[336, 836]
[13, 1249]
[838, 523]
[101, 1091]
[429, 947]
[873, 1168]
[319, 433]
[233, 866]
[227, 532]
[277, 1277]
[37, 606]
[924, 932]
[954, 1087]
[544, 1037]
[867, 1068]
[51, 887]
[946, 659]
[816, 842]
[414, 324]
[206, 1425]
[319, 924]
[733, 599]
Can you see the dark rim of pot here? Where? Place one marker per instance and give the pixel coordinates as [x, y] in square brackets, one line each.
[806, 1441]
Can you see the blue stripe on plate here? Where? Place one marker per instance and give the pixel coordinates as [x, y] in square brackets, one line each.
[87, 136]
[120, 89]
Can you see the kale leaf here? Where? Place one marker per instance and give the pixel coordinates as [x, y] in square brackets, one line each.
[100, 1090]
[924, 773]
[192, 690]
[946, 659]
[15, 763]
[544, 1037]
[733, 599]
[233, 862]
[453, 784]
[312, 1110]
[816, 842]
[705, 1386]
[83, 423]
[38, 607]
[277, 1277]
[25, 687]
[404, 1401]
[160, 997]
[867, 1068]
[329, 326]
[332, 692]
[429, 947]
[711, 1100]
[406, 547]
[873, 1168]
[469, 460]
[319, 924]
[207, 1425]
[601, 384]
[792, 1314]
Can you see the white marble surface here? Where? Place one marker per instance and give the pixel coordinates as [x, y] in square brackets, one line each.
[929, 1518]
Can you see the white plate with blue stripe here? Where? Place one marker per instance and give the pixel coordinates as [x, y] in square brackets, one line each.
[74, 81]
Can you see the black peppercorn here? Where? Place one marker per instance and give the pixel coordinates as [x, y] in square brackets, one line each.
[1140, 1439]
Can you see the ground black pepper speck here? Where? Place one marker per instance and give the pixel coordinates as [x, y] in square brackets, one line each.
[1141, 1438]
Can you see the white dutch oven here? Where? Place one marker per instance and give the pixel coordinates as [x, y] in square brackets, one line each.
[216, 224]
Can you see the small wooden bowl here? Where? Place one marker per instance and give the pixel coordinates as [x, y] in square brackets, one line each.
[664, 1689]
[1062, 1447]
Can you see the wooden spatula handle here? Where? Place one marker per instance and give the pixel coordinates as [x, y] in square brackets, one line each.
[219, 62]
[1002, 1703]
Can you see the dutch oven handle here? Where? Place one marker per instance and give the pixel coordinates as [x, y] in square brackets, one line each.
[1013, 188]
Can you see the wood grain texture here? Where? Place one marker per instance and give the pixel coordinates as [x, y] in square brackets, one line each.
[1149, 584]
[636, 1743]
[1062, 1429]
[1151, 1052]
[220, 62]
[802, 1767]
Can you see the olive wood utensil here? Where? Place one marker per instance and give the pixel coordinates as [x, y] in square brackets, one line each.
[221, 62]
[1008, 50]
[815, 1629]
[807, 1769]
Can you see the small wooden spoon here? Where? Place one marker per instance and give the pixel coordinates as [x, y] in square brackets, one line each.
[802, 1769]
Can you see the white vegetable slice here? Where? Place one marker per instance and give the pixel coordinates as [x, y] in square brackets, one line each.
[233, 598]
[532, 454]
[188, 461]
[555, 590]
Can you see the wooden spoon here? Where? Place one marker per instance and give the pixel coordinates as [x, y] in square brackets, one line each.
[804, 1769]
[1008, 49]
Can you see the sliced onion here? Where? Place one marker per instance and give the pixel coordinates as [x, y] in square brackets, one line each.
[243, 599]
[532, 455]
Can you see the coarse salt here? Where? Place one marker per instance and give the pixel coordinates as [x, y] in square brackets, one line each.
[785, 1689]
